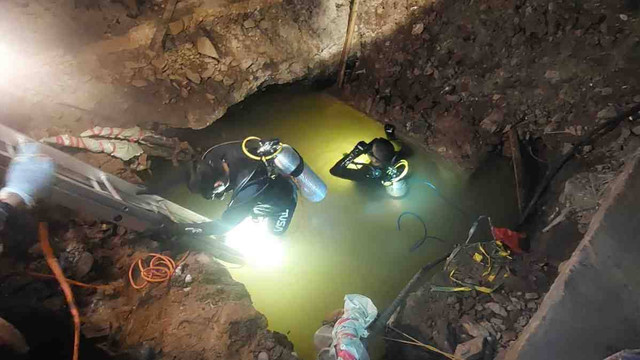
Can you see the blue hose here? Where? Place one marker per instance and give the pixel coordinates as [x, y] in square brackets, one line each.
[445, 199]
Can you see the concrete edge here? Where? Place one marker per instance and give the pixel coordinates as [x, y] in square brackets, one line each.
[584, 250]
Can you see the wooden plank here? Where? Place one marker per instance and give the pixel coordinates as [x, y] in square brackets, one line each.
[518, 170]
[161, 29]
[347, 41]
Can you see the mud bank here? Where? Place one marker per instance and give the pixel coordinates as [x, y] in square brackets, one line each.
[201, 313]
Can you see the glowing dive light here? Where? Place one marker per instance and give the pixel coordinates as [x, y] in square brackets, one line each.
[255, 242]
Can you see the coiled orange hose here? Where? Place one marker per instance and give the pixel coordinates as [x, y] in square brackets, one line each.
[159, 269]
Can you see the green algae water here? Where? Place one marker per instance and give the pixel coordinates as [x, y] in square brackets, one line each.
[348, 243]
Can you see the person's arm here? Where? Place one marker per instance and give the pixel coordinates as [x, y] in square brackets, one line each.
[229, 219]
[342, 170]
[29, 175]
[403, 151]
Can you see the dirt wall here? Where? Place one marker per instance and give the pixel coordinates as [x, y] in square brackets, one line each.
[460, 72]
[84, 63]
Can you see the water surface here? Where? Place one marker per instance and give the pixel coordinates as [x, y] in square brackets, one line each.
[348, 243]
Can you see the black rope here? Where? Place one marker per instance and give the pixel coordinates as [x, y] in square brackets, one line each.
[424, 238]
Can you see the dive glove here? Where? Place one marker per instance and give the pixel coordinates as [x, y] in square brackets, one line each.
[390, 131]
[30, 173]
[361, 148]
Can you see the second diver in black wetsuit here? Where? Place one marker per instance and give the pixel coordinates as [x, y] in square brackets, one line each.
[386, 165]
[256, 192]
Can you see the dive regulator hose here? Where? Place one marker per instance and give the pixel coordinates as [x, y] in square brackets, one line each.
[404, 172]
[248, 154]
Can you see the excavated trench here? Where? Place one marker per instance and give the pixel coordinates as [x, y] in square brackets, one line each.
[456, 78]
[348, 243]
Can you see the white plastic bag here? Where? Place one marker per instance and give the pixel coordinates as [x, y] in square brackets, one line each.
[359, 313]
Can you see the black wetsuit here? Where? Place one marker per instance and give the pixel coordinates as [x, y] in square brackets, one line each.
[255, 193]
[6, 211]
[360, 173]
[347, 169]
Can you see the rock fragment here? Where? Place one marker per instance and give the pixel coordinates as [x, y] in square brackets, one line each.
[473, 328]
[159, 63]
[496, 308]
[471, 350]
[176, 27]
[417, 29]
[607, 112]
[208, 72]
[193, 76]
[205, 47]
[83, 265]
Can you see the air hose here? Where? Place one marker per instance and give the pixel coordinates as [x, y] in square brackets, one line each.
[256, 157]
[404, 172]
[424, 238]
[445, 199]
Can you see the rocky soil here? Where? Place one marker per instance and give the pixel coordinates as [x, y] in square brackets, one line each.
[455, 321]
[461, 72]
[201, 313]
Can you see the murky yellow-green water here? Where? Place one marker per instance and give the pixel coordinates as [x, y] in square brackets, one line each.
[348, 243]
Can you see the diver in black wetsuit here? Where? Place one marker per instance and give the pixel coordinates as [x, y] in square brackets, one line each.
[256, 191]
[382, 156]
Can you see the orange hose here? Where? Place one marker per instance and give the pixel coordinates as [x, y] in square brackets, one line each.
[159, 269]
[43, 234]
[72, 282]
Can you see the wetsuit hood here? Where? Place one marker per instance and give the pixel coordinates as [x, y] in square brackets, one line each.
[210, 169]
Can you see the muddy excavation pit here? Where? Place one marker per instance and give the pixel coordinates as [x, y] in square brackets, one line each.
[462, 81]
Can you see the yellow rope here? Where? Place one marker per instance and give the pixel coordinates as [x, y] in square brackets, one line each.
[421, 344]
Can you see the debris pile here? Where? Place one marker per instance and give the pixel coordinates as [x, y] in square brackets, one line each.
[480, 302]
[202, 313]
[581, 196]
[468, 324]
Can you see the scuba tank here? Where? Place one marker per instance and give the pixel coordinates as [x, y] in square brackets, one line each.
[287, 161]
[395, 184]
[397, 189]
